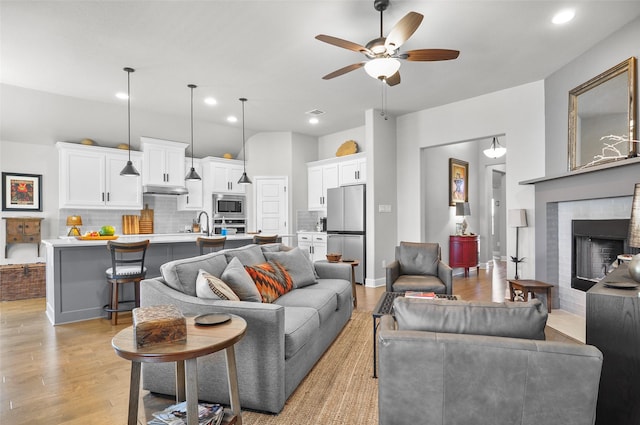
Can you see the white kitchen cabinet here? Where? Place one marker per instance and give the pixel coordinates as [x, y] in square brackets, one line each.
[353, 171]
[321, 178]
[192, 201]
[225, 174]
[164, 162]
[314, 243]
[90, 178]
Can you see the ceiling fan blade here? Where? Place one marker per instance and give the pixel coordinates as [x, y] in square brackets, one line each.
[394, 79]
[403, 30]
[344, 70]
[430, 55]
[349, 45]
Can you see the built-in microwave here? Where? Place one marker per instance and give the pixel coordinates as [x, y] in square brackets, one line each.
[230, 206]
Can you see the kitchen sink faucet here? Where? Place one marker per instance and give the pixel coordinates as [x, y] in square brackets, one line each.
[207, 233]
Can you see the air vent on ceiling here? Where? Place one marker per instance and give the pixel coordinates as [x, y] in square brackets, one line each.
[315, 112]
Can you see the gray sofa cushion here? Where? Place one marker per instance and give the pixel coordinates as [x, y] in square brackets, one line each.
[418, 258]
[298, 266]
[181, 274]
[507, 319]
[240, 282]
[249, 255]
[300, 325]
[420, 283]
[324, 300]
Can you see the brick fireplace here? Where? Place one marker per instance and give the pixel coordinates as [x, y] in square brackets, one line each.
[597, 193]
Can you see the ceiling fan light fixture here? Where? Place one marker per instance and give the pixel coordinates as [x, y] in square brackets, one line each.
[382, 68]
[495, 150]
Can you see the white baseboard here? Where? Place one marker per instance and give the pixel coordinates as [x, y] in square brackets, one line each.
[375, 283]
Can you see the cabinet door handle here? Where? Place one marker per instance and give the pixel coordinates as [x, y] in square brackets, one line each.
[102, 196]
[187, 199]
[108, 196]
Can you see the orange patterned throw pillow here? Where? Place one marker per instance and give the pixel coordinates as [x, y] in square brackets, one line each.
[271, 279]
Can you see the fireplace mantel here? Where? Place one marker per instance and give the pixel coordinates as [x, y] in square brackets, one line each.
[577, 173]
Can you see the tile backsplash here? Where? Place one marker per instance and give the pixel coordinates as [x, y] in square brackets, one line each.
[308, 220]
[166, 217]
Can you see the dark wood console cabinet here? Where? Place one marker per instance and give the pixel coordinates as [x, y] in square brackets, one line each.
[22, 230]
[613, 325]
[463, 252]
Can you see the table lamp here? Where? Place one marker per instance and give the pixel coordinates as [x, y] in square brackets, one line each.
[634, 234]
[463, 209]
[517, 219]
[74, 221]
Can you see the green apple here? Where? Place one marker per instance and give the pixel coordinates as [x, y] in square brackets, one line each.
[107, 231]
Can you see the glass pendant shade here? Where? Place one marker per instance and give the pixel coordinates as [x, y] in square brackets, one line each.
[381, 68]
[192, 175]
[244, 179]
[496, 150]
[129, 169]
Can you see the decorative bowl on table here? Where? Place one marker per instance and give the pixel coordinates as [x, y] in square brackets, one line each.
[333, 258]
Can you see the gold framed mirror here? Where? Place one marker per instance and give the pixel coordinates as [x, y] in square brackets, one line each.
[602, 116]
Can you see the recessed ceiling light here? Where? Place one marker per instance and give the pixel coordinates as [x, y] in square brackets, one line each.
[314, 120]
[231, 118]
[121, 95]
[210, 101]
[563, 16]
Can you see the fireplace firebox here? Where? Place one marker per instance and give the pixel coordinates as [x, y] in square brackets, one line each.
[596, 246]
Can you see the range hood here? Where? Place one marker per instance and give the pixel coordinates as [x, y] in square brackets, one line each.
[163, 190]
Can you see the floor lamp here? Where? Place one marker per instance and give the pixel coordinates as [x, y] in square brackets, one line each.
[517, 219]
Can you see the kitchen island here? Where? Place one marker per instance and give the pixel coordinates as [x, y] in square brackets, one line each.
[76, 287]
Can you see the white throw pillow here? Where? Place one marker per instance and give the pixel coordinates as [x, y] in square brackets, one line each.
[210, 287]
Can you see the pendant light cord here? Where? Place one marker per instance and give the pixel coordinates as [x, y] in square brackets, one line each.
[244, 152]
[129, 71]
[192, 86]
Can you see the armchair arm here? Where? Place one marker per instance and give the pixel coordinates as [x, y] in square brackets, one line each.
[393, 272]
[445, 273]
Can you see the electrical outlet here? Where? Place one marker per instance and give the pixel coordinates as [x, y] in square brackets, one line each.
[384, 208]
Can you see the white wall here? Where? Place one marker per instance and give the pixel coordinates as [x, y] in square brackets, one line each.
[329, 144]
[517, 112]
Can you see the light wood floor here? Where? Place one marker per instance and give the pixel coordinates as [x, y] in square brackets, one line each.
[68, 374]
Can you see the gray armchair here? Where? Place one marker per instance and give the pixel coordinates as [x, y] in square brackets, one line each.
[419, 267]
[478, 363]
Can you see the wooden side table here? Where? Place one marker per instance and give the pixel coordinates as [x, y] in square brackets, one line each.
[354, 264]
[532, 286]
[201, 340]
[22, 230]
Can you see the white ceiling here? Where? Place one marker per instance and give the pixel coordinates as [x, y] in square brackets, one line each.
[265, 50]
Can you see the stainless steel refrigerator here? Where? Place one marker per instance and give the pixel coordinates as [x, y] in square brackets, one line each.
[346, 225]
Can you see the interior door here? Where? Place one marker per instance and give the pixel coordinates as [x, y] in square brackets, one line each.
[272, 211]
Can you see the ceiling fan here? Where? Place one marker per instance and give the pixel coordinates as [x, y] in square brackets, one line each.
[382, 52]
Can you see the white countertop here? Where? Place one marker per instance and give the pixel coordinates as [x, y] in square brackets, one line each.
[153, 238]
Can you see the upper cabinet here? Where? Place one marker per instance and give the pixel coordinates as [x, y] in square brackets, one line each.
[90, 177]
[353, 171]
[320, 178]
[224, 175]
[193, 199]
[328, 173]
[164, 162]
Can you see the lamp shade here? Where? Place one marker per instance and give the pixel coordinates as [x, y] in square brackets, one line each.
[495, 150]
[518, 218]
[382, 67]
[74, 220]
[634, 222]
[462, 209]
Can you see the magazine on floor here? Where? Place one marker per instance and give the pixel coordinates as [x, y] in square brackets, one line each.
[208, 414]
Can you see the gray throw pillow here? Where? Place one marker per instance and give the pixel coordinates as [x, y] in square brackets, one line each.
[249, 255]
[297, 264]
[181, 274]
[419, 258]
[237, 278]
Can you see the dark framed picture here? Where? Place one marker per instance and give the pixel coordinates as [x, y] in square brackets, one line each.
[458, 181]
[21, 192]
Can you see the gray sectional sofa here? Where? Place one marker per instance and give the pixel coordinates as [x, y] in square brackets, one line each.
[284, 338]
[473, 363]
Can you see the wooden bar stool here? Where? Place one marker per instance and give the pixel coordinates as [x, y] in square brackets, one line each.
[127, 266]
[261, 240]
[212, 244]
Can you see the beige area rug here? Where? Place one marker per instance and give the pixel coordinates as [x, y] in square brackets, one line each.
[340, 388]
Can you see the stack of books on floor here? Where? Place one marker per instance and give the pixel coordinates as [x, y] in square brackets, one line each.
[208, 414]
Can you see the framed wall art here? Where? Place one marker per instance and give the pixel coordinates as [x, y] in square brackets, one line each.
[458, 181]
[21, 192]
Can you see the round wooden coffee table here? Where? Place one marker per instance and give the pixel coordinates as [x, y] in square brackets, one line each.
[201, 340]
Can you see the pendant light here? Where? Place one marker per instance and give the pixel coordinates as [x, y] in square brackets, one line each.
[496, 150]
[129, 169]
[192, 174]
[244, 179]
